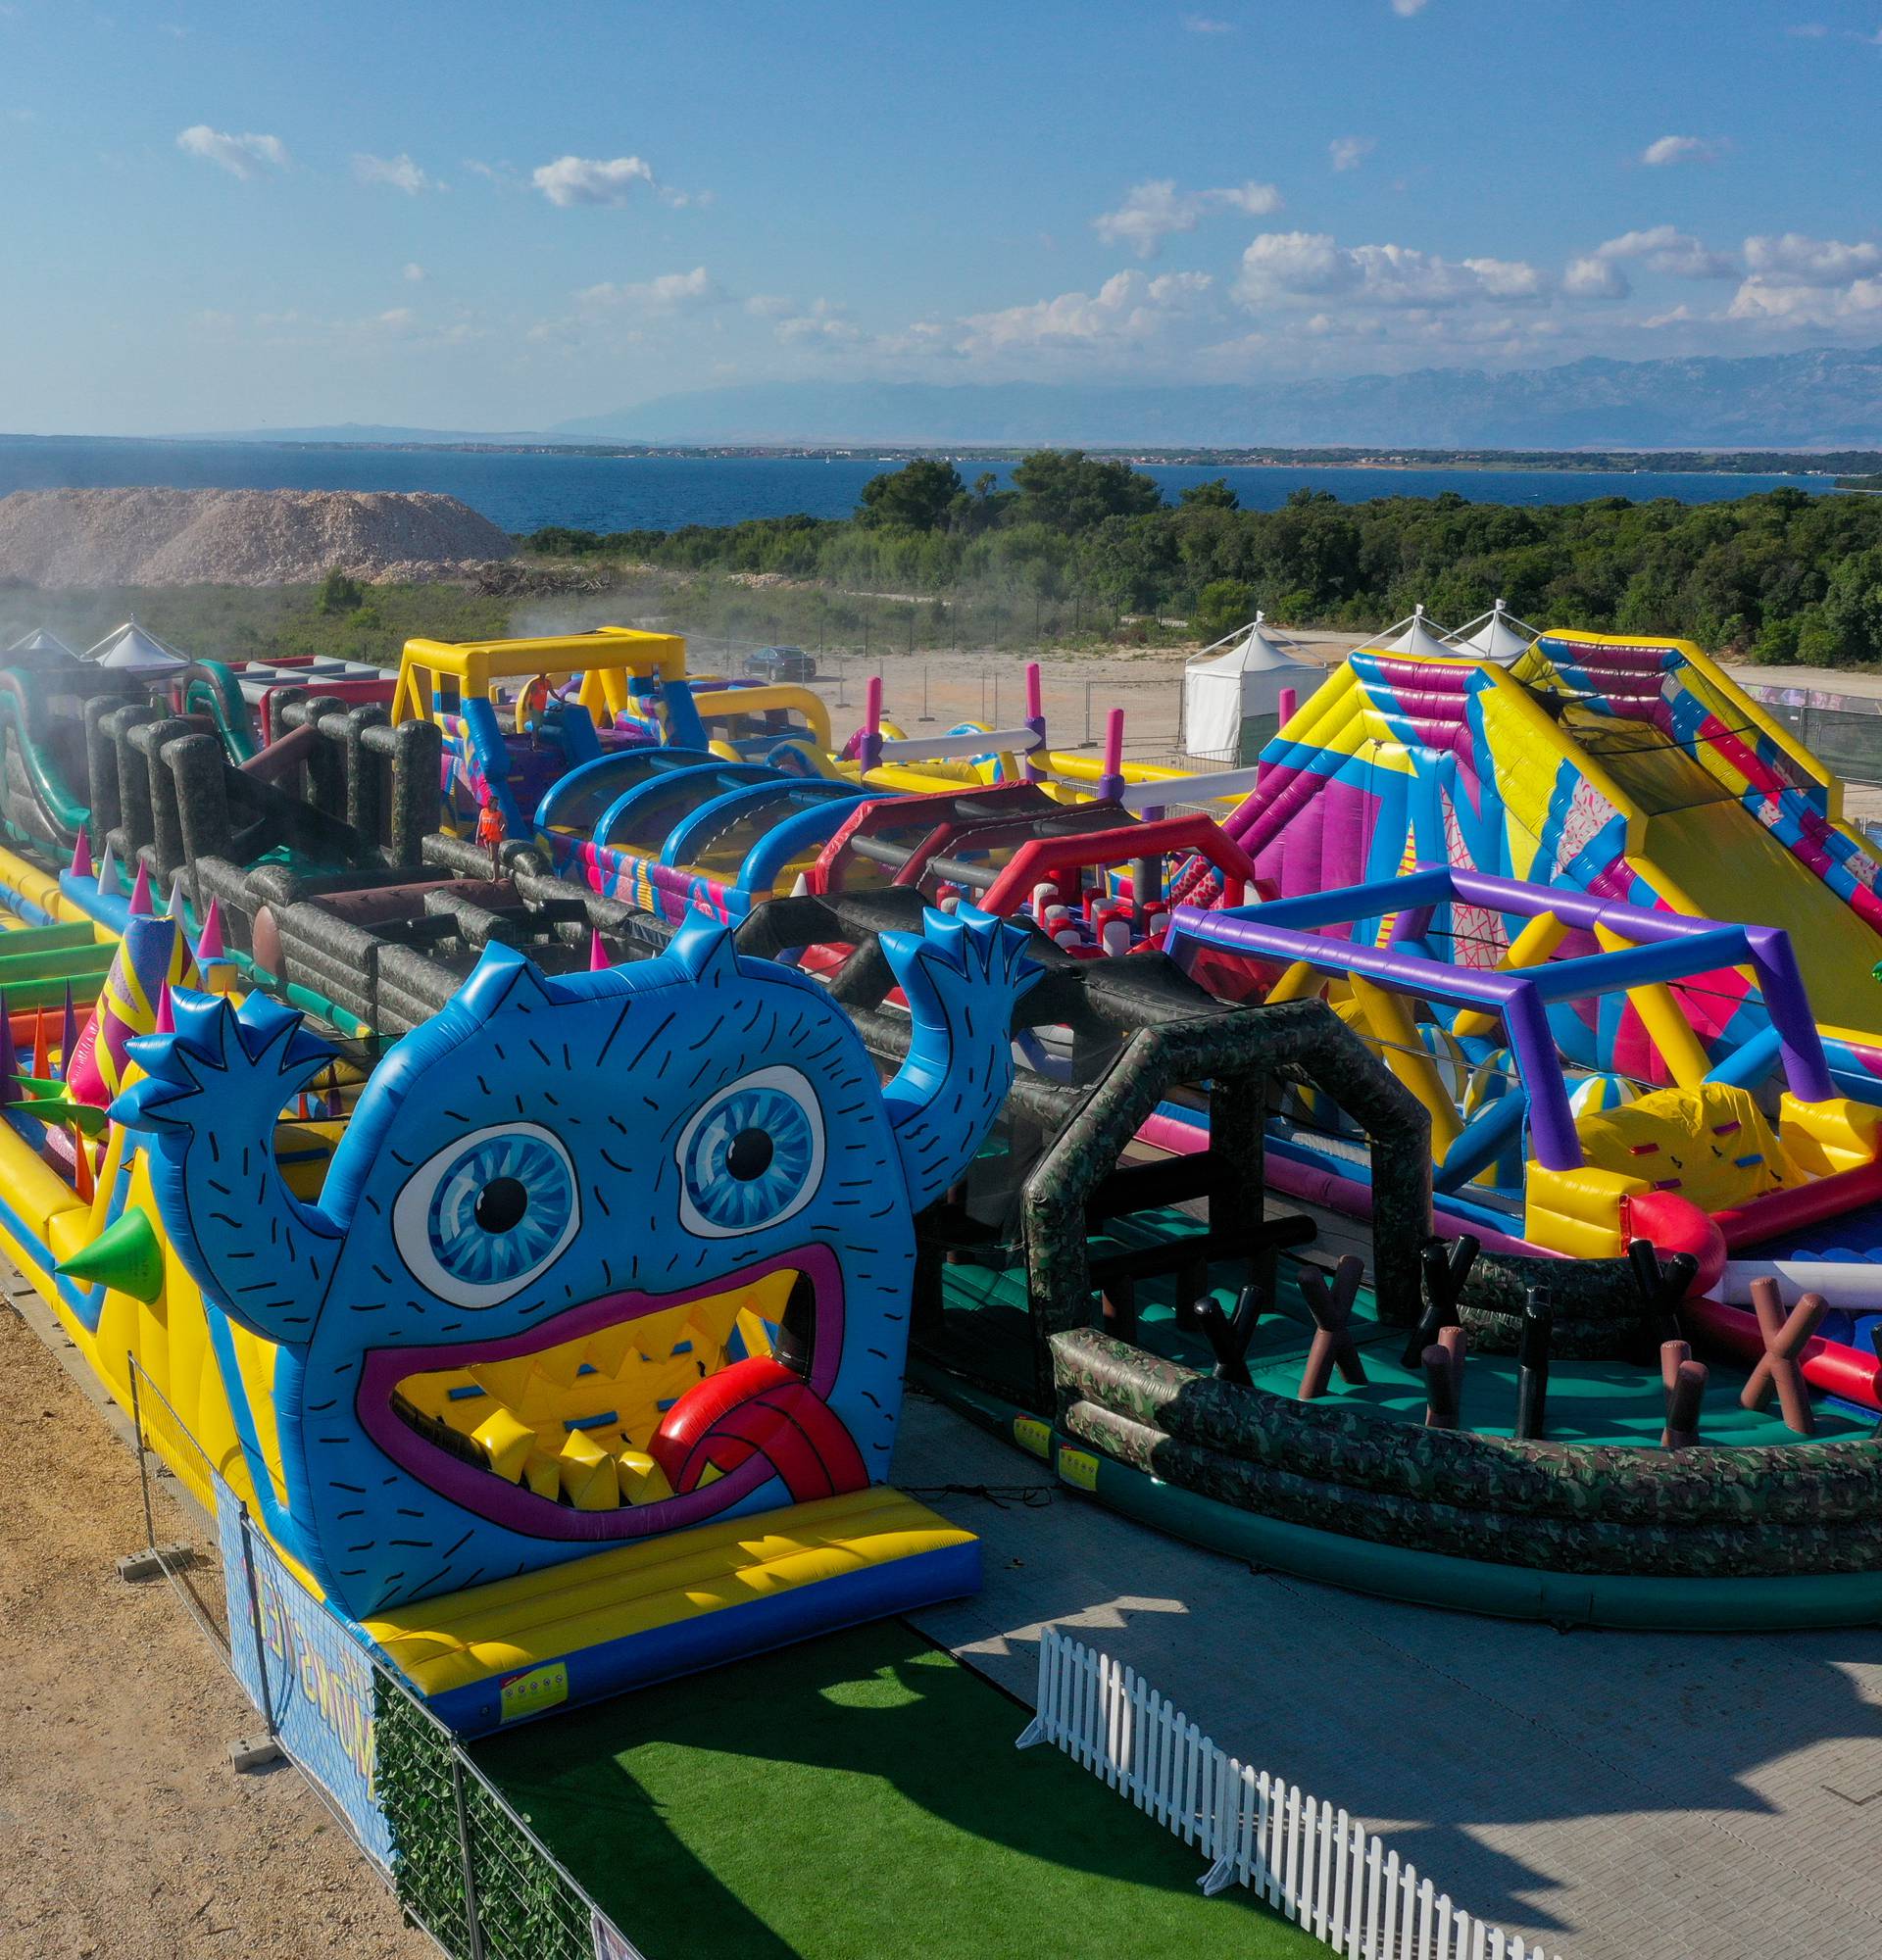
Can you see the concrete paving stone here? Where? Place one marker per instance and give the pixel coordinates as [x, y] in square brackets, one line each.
[1613, 1795]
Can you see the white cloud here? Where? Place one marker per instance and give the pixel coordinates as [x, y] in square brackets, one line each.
[1808, 30]
[1664, 249]
[1207, 23]
[670, 292]
[1664, 150]
[400, 173]
[824, 323]
[1404, 9]
[1798, 260]
[1350, 152]
[1154, 209]
[247, 156]
[571, 180]
[1499, 332]
[1660, 248]
[1762, 302]
[294, 328]
[1127, 310]
[1796, 280]
[415, 275]
[1595, 278]
[1254, 200]
[769, 306]
[1286, 265]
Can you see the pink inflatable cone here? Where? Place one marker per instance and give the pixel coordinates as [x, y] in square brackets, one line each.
[209, 942]
[151, 954]
[68, 1035]
[140, 907]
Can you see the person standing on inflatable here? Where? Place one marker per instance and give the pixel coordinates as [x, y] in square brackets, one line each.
[490, 832]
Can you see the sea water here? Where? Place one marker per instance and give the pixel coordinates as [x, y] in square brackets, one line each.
[522, 491]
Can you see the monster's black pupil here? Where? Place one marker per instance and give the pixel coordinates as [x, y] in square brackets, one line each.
[501, 1204]
[750, 1154]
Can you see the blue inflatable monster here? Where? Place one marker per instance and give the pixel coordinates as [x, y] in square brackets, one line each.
[597, 1257]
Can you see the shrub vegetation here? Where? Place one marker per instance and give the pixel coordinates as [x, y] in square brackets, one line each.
[1783, 575]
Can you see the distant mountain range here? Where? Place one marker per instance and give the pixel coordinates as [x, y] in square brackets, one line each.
[1822, 399]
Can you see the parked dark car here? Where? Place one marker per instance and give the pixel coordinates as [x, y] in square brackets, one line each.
[780, 663]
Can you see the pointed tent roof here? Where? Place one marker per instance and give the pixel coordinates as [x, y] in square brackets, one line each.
[1498, 635]
[1252, 650]
[136, 649]
[1417, 637]
[40, 641]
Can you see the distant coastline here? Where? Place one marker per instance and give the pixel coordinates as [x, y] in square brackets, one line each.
[525, 486]
[1835, 463]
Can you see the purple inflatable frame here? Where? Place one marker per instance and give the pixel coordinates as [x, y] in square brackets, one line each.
[1668, 945]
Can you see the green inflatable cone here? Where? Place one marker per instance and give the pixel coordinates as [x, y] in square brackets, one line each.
[125, 1256]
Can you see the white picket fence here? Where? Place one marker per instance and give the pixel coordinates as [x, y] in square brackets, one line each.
[1311, 1861]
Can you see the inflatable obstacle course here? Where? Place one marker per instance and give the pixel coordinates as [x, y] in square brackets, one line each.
[1065, 1161]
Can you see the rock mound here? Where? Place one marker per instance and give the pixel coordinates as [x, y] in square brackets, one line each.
[238, 537]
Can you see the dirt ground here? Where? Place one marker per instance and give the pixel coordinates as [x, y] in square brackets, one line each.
[926, 694]
[124, 1833]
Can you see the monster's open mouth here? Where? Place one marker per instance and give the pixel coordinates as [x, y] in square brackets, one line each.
[570, 1430]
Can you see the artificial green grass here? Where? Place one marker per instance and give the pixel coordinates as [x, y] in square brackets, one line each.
[854, 1797]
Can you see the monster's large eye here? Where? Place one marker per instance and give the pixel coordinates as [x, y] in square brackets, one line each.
[480, 1218]
[752, 1157]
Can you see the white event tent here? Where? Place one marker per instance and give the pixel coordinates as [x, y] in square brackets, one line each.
[40, 641]
[134, 649]
[1497, 635]
[1232, 692]
[1417, 637]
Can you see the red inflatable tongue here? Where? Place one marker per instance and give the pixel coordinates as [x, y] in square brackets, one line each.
[757, 1408]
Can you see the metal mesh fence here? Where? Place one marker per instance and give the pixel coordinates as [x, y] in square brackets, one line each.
[1842, 731]
[928, 690]
[165, 1441]
[466, 1868]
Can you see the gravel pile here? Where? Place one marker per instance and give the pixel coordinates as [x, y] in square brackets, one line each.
[238, 537]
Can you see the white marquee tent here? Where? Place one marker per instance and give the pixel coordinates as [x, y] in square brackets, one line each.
[1417, 637]
[134, 649]
[40, 641]
[1232, 692]
[1498, 635]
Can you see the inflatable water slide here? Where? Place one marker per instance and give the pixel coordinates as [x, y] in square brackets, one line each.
[1632, 771]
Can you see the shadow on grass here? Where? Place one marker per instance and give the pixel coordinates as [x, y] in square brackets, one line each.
[857, 1797]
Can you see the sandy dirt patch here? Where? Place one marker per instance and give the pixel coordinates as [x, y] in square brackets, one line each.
[125, 1835]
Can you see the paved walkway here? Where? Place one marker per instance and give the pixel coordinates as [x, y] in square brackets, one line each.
[1617, 1795]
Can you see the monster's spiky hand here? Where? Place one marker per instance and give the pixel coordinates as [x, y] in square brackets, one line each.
[209, 1099]
[961, 979]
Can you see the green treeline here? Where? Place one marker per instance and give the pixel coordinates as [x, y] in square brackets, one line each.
[1783, 575]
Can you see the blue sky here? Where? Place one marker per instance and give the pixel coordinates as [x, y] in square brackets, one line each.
[480, 215]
